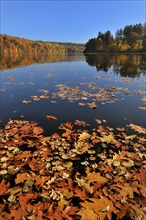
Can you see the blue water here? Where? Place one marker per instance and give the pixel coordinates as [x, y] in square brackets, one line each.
[23, 82]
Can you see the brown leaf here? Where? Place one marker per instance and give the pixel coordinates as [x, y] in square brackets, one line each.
[68, 125]
[51, 117]
[143, 174]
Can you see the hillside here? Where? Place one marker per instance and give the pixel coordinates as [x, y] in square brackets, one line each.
[10, 44]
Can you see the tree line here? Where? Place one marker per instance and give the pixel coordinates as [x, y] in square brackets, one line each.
[132, 38]
[10, 45]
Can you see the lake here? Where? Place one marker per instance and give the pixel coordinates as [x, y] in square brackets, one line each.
[94, 88]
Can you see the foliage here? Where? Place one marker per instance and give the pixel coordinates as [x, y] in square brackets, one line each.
[131, 38]
[72, 174]
[17, 45]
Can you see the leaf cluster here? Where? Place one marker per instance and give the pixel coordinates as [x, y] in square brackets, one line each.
[72, 174]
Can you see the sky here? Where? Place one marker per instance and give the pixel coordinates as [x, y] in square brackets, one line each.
[68, 21]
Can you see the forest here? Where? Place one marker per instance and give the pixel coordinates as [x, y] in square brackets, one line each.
[132, 38]
[10, 45]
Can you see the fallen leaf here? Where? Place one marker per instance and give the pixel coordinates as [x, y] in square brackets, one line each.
[138, 128]
[51, 117]
[3, 187]
[21, 177]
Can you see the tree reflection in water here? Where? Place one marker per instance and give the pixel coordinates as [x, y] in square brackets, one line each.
[127, 65]
[12, 60]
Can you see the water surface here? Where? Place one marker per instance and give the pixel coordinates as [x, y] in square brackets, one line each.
[77, 87]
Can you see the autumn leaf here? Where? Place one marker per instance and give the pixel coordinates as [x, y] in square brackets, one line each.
[84, 136]
[143, 174]
[51, 117]
[85, 185]
[23, 155]
[68, 125]
[108, 138]
[81, 193]
[98, 121]
[21, 177]
[102, 207]
[4, 187]
[96, 179]
[26, 101]
[80, 123]
[87, 214]
[38, 130]
[106, 169]
[138, 128]
[17, 214]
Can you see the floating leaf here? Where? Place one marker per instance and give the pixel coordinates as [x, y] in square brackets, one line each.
[26, 101]
[138, 128]
[51, 117]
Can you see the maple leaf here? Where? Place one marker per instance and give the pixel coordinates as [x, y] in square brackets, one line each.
[3, 187]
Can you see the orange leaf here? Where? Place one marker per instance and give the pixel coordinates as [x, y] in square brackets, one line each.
[21, 177]
[3, 187]
[87, 214]
[51, 117]
[17, 214]
[96, 177]
[68, 125]
[25, 155]
[37, 130]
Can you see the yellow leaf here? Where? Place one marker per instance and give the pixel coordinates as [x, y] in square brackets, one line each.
[96, 177]
[84, 136]
[108, 138]
[137, 128]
